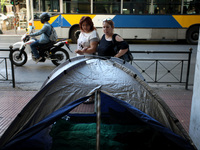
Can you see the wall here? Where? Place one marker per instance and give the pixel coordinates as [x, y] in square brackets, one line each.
[194, 130]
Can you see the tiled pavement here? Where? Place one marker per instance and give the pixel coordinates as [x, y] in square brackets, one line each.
[179, 101]
[12, 101]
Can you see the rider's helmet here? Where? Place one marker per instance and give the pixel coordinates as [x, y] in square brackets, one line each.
[44, 17]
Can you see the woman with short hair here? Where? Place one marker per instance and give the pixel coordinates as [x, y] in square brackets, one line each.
[88, 38]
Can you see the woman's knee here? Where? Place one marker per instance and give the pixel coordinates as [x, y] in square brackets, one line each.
[34, 44]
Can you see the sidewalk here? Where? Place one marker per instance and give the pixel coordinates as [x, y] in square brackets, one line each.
[12, 100]
[179, 100]
[13, 33]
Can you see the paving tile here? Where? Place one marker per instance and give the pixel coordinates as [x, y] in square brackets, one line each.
[11, 103]
[179, 101]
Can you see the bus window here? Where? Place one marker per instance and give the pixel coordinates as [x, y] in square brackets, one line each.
[167, 6]
[136, 6]
[35, 6]
[46, 6]
[74, 6]
[191, 7]
[106, 7]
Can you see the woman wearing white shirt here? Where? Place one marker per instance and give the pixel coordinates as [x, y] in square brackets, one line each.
[88, 38]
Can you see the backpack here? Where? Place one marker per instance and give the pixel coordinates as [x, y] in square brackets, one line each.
[127, 56]
[53, 35]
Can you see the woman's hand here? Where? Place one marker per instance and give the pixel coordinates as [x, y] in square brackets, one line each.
[121, 52]
[81, 52]
[84, 49]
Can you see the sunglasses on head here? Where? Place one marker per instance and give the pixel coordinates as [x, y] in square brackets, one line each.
[108, 19]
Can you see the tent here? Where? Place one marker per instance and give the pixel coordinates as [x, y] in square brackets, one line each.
[122, 99]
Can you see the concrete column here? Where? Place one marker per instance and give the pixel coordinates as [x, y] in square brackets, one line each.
[194, 130]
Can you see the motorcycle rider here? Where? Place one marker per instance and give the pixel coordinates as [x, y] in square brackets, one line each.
[44, 38]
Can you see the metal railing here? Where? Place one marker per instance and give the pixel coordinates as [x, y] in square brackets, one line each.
[4, 75]
[160, 71]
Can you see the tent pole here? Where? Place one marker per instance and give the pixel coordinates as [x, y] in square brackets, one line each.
[98, 106]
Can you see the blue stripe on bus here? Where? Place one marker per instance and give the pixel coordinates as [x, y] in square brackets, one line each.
[61, 22]
[145, 21]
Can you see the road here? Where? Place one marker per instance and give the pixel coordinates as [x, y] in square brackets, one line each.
[31, 76]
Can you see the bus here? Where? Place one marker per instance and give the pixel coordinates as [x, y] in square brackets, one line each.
[133, 19]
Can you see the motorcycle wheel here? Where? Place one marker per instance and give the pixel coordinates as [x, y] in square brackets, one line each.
[60, 56]
[16, 60]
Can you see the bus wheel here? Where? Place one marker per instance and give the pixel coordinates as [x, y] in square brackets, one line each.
[73, 34]
[193, 35]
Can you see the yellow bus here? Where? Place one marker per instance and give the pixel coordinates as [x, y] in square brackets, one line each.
[134, 19]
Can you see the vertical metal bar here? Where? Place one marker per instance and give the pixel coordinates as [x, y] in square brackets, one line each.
[151, 7]
[6, 68]
[92, 6]
[188, 68]
[32, 11]
[13, 74]
[15, 17]
[61, 6]
[121, 8]
[13, 71]
[28, 10]
[39, 5]
[156, 71]
[181, 75]
[182, 4]
[98, 100]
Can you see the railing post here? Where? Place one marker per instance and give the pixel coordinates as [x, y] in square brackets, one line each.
[188, 68]
[13, 74]
[13, 71]
[6, 66]
[156, 72]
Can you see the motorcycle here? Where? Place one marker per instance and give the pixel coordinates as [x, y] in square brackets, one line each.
[53, 51]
